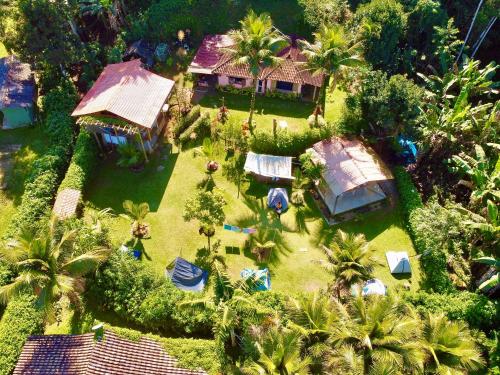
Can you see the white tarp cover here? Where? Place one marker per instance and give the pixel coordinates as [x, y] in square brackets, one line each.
[269, 165]
[398, 261]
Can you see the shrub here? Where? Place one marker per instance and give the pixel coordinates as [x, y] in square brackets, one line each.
[409, 198]
[20, 320]
[201, 125]
[287, 143]
[136, 294]
[247, 91]
[82, 163]
[187, 120]
[46, 172]
[476, 309]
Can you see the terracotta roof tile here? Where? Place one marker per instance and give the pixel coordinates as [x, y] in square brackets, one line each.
[291, 70]
[128, 91]
[82, 355]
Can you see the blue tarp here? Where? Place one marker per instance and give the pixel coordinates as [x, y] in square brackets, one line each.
[262, 277]
[277, 196]
[409, 152]
[187, 276]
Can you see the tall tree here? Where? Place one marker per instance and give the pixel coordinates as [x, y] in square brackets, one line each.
[350, 260]
[449, 346]
[332, 52]
[46, 265]
[374, 334]
[256, 45]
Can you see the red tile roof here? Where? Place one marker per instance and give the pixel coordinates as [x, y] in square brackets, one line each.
[213, 61]
[82, 355]
[128, 91]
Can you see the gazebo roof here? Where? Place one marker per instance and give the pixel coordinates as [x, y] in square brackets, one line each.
[128, 91]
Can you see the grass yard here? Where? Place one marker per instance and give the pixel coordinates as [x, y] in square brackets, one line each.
[294, 266]
[32, 141]
[295, 113]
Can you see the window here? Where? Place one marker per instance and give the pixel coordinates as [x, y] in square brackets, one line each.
[236, 81]
[285, 86]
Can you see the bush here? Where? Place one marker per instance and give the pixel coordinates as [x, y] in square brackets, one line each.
[477, 310]
[287, 143]
[20, 320]
[247, 91]
[47, 171]
[201, 125]
[82, 163]
[409, 197]
[187, 120]
[136, 294]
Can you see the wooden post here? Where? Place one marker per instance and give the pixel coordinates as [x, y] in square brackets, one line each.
[98, 142]
[143, 148]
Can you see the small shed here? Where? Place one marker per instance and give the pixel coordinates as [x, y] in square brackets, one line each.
[17, 93]
[186, 276]
[398, 262]
[269, 168]
[351, 176]
[263, 278]
[277, 199]
[143, 50]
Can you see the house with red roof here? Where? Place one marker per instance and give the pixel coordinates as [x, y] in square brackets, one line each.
[127, 103]
[213, 67]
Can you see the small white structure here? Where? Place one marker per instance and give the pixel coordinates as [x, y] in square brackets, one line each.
[373, 287]
[269, 167]
[398, 262]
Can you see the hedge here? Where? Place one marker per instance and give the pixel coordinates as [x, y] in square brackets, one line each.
[47, 171]
[287, 143]
[187, 121]
[82, 163]
[202, 124]
[191, 354]
[479, 311]
[20, 320]
[434, 262]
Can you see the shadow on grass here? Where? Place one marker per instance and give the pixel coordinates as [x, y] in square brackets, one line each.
[112, 185]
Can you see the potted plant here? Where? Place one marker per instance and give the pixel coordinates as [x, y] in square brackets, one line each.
[130, 157]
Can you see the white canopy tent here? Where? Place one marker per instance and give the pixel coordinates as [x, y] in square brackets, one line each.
[398, 262]
[269, 166]
[373, 287]
[351, 175]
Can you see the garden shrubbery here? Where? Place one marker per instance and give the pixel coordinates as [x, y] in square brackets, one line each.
[198, 127]
[187, 121]
[20, 320]
[287, 143]
[479, 311]
[139, 296]
[81, 165]
[47, 171]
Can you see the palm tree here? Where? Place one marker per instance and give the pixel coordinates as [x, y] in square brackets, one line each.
[375, 335]
[331, 53]
[46, 265]
[262, 250]
[279, 354]
[350, 260]
[449, 346]
[255, 46]
[136, 213]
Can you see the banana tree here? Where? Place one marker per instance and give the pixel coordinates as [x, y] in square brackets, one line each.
[493, 280]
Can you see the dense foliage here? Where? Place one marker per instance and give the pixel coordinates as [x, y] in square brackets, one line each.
[19, 321]
[47, 171]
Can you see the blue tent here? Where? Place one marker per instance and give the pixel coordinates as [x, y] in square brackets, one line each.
[187, 276]
[277, 197]
[262, 277]
[409, 153]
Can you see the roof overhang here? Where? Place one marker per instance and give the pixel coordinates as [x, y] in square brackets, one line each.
[197, 70]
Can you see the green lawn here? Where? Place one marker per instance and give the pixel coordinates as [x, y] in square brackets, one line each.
[295, 113]
[33, 144]
[295, 264]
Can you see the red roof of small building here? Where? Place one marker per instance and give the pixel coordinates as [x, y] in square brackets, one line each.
[128, 91]
[209, 59]
[82, 355]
